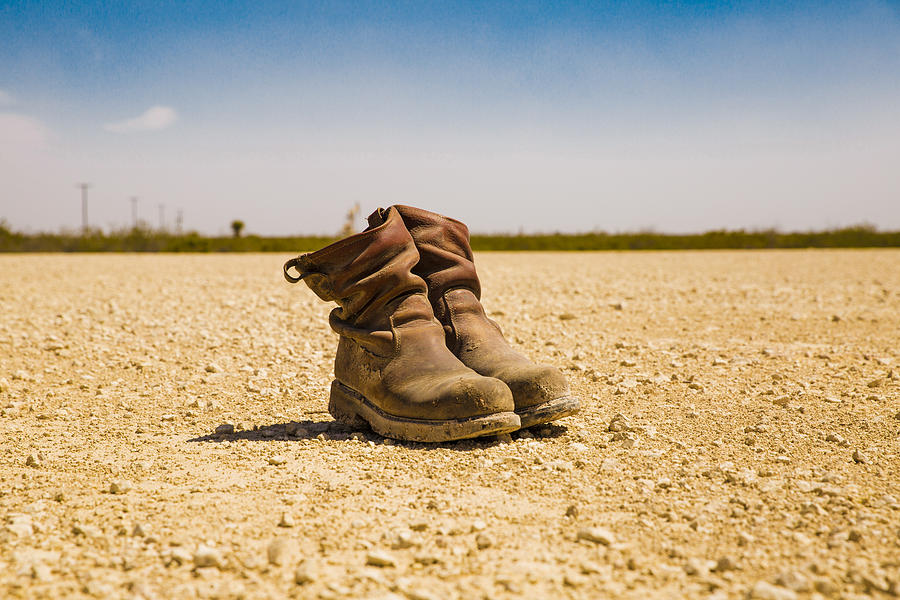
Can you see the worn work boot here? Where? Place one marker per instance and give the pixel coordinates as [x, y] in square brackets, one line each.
[393, 370]
[446, 264]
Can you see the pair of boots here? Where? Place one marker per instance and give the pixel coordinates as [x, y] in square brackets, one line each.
[418, 359]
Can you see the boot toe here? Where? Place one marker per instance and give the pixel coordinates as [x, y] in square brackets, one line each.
[532, 385]
[472, 396]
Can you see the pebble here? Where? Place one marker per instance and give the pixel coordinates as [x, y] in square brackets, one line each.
[377, 558]
[696, 566]
[618, 423]
[225, 428]
[404, 540]
[763, 590]
[859, 457]
[278, 459]
[205, 556]
[725, 563]
[179, 556]
[122, 486]
[33, 460]
[837, 438]
[286, 520]
[598, 535]
[213, 368]
[483, 540]
[280, 550]
[793, 580]
[20, 525]
[305, 573]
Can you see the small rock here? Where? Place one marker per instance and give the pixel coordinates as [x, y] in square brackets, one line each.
[833, 399]
[695, 566]
[225, 428]
[213, 368]
[598, 535]
[207, 557]
[782, 401]
[20, 525]
[567, 317]
[179, 556]
[33, 460]
[859, 457]
[169, 417]
[725, 563]
[404, 540]
[138, 530]
[793, 580]
[618, 423]
[278, 459]
[837, 438]
[483, 540]
[377, 558]
[286, 520]
[304, 574]
[763, 590]
[122, 486]
[279, 551]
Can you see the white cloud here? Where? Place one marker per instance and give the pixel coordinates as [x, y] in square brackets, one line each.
[152, 119]
[21, 131]
[6, 98]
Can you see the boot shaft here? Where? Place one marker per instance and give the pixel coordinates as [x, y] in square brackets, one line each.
[370, 276]
[445, 256]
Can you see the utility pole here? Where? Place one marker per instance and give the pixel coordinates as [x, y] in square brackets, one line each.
[134, 201]
[162, 216]
[179, 219]
[84, 215]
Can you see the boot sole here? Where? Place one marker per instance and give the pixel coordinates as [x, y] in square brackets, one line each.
[549, 411]
[353, 409]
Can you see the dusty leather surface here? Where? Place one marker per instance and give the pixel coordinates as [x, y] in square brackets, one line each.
[446, 263]
[392, 349]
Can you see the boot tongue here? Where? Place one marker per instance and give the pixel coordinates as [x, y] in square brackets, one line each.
[376, 218]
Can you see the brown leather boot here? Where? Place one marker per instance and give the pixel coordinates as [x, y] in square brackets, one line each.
[392, 369]
[446, 264]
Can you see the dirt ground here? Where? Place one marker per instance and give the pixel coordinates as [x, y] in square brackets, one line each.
[738, 438]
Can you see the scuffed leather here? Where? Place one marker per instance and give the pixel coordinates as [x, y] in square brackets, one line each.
[446, 263]
[391, 348]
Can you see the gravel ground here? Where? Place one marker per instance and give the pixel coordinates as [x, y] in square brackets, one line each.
[164, 434]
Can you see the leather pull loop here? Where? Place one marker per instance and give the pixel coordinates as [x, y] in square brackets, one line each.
[294, 263]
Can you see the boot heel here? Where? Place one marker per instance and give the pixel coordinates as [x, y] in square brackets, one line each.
[341, 407]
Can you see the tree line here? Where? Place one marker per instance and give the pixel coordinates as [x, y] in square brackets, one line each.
[143, 239]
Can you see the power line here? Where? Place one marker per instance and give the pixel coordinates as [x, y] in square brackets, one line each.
[134, 220]
[84, 206]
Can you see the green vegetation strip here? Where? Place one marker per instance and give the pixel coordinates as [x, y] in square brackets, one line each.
[145, 240]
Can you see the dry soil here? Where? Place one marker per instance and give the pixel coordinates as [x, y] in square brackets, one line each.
[739, 435]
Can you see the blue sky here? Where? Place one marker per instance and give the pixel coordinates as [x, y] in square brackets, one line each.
[532, 116]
